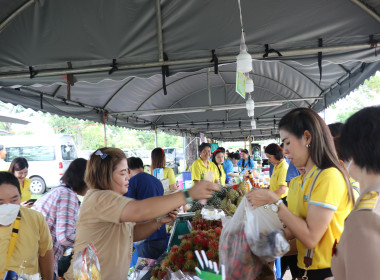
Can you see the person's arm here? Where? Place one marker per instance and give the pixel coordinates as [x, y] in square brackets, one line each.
[46, 264]
[310, 231]
[281, 179]
[66, 217]
[143, 231]
[154, 207]
[281, 190]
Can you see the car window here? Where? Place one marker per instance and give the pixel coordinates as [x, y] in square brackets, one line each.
[68, 152]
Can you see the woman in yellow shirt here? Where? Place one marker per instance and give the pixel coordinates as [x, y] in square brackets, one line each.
[19, 167]
[318, 218]
[218, 159]
[159, 161]
[203, 169]
[278, 183]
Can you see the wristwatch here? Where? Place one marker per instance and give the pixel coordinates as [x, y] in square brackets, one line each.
[275, 206]
[187, 196]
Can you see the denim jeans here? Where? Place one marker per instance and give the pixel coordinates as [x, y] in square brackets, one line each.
[151, 249]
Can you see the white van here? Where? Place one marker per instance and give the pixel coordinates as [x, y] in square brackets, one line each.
[48, 157]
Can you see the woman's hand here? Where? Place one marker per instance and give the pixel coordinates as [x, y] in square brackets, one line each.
[203, 190]
[260, 197]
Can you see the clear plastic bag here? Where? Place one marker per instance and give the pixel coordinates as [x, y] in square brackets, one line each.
[264, 233]
[234, 250]
[86, 264]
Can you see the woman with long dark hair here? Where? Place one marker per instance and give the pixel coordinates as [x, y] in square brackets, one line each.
[159, 161]
[218, 159]
[246, 162]
[324, 196]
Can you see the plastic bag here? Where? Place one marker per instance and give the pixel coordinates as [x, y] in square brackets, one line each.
[176, 275]
[86, 264]
[234, 250]
[264, 233]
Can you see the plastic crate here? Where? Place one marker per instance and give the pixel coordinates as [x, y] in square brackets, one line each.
[181, 227]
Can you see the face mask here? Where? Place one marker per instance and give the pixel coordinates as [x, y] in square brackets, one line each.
[348, 166]
[8, 213]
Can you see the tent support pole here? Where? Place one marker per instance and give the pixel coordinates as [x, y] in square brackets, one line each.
[105, 134]
[15, 14]
[222, 59]
[155, 137]
[159, 32]
[367, 9]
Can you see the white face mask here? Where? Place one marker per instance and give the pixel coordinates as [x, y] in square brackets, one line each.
[348, 166]
[8, 213]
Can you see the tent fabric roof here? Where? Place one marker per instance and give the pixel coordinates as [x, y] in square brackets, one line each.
[46, 34]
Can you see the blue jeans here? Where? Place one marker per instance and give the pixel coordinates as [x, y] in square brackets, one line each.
[151, 249]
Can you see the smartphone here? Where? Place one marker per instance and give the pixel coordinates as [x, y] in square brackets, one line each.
[31, 201]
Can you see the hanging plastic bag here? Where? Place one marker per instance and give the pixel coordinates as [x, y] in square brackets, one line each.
[86, 264]
[264, 233]
[234, 250]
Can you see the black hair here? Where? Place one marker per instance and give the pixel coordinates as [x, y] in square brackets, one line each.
[135, 163]
[274, 150]
[73, 178]
[248, 160]
[218, 151]
[359, 139]
[18, 164]
[202, 146]
[9, 178]
[234, 156]
[222, 149]
[336, 128]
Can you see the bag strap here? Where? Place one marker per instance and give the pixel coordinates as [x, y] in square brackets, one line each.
[12, 243]
[309, 253]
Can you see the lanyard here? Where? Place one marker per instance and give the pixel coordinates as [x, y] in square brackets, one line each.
[12, 243]
[311, 174]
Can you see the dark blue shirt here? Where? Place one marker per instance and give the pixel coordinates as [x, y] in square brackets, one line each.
[142, 186]
[292, 171]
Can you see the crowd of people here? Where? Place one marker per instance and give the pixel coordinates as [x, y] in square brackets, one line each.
[324, 180]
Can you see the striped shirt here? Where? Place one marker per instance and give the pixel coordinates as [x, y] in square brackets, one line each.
[60, 207]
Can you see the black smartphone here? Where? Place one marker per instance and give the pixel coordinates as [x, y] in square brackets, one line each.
[31, 201]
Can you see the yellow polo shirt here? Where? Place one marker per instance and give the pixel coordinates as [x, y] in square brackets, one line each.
[278, 177]
[221, 177]
[33, 240]
[25, 190]
[199, 170]
[356, 188]
[169, 174]
[330, 191]
[294, 188]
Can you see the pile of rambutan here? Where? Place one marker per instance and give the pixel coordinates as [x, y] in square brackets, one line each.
[183, 258]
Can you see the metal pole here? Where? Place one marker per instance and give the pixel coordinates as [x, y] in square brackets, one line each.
[224, 59]
[15, 13]
[105, 134]
[155, 137]
[159, 32]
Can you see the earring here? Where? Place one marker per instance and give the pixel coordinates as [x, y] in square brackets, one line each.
[307, 145]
